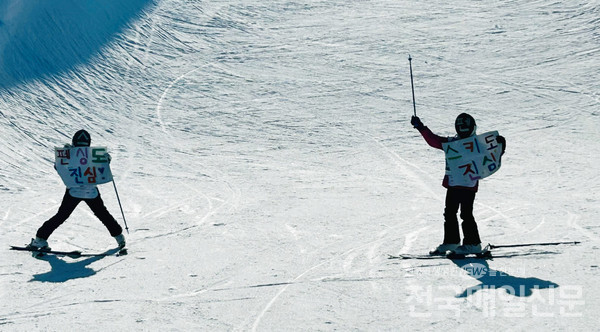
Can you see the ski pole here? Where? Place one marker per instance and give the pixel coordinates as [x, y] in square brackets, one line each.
[412, 85]
[531, 244]
[120, 206]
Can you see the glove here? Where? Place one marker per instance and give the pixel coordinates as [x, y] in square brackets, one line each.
[501, 140]
[416, 122]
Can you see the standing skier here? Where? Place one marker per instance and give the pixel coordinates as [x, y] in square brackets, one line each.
[457, 196]
[73, 196]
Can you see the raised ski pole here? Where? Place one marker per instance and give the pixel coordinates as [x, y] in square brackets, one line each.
[492, 246]
[412, 85]
[120, 206]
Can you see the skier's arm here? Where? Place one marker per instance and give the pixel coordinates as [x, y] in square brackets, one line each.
[432, 139]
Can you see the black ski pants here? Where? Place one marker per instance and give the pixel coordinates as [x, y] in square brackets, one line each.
[463, 198]
[68, 205]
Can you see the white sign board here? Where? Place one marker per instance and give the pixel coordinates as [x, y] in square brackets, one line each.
[473, 158]
[82, 165]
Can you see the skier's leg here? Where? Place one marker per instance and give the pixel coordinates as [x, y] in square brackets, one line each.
[69, 203]
[451, 231]
[97, 206]
[469, 226]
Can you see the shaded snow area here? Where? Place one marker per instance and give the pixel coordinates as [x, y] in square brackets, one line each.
[266, 164]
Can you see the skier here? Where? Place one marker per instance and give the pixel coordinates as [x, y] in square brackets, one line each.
[73, 196]
[457, 196]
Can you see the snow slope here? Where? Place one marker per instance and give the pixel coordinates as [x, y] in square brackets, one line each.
[266, 164]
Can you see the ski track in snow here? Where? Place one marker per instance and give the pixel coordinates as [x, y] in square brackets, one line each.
[370, 250]
[164, 94]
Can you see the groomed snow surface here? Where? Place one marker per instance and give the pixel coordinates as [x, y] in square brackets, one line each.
[267, 167]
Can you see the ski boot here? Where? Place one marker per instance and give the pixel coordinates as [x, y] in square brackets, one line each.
[39, 244]
[469, 249]
[443, 248]
[120, 240]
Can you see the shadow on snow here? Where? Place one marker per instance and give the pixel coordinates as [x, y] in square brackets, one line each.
[493, 279]
[63, 270]
[42, 38]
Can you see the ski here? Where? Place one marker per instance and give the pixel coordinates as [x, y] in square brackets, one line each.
[74, 253]
[483, 255]
[492, 246]
[487, 252]
[487, 257]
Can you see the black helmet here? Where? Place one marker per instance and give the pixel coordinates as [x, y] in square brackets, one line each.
[465, 125]
[82, 138]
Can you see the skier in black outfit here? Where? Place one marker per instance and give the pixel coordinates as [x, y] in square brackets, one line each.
[73, 196]
[457, 196]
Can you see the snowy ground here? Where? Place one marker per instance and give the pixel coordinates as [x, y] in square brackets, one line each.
[266, 164]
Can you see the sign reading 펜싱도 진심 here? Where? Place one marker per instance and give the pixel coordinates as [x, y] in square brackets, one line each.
[83, 165]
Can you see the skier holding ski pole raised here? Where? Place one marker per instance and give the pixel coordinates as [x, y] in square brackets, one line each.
[478, 158]
[73, 196]
[462, 196]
